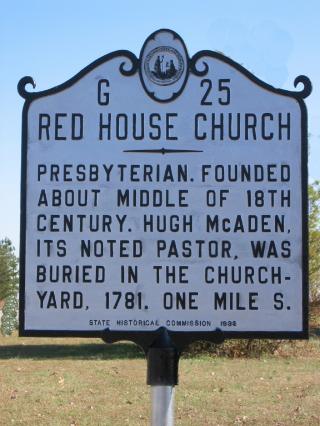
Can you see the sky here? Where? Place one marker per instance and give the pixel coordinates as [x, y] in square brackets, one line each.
[53, 40]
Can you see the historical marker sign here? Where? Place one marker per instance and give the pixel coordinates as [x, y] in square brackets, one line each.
[168, 192]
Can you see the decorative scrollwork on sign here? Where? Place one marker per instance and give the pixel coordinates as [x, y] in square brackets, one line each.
[193, 65]
[307, 86]
[22, 86]
[134, 65]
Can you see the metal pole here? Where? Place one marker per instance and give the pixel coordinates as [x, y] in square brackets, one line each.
[162, 405]
[162, 375]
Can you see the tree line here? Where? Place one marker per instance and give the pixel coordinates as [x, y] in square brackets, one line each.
[9, 281]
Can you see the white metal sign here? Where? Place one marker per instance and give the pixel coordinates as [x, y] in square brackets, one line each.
[164, 192]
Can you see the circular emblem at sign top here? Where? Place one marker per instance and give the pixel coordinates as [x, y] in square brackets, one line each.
[164, 65]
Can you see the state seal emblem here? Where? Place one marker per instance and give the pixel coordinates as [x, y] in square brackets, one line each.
[164, 65]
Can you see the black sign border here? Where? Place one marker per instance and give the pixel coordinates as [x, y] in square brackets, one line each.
[196, 65]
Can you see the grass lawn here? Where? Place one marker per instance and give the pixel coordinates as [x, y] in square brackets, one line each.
[47, 381]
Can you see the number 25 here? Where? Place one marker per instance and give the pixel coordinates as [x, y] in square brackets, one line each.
[223, 87]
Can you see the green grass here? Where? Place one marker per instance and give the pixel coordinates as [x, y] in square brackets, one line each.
[86, 382]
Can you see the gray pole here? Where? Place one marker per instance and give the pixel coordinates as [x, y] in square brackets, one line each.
[162, 405]
[162, 375]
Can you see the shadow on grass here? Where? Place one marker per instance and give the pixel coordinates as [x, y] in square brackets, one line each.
[80, 351]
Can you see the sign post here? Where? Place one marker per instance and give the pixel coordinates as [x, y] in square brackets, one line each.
[162, 375]
[163, 201]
